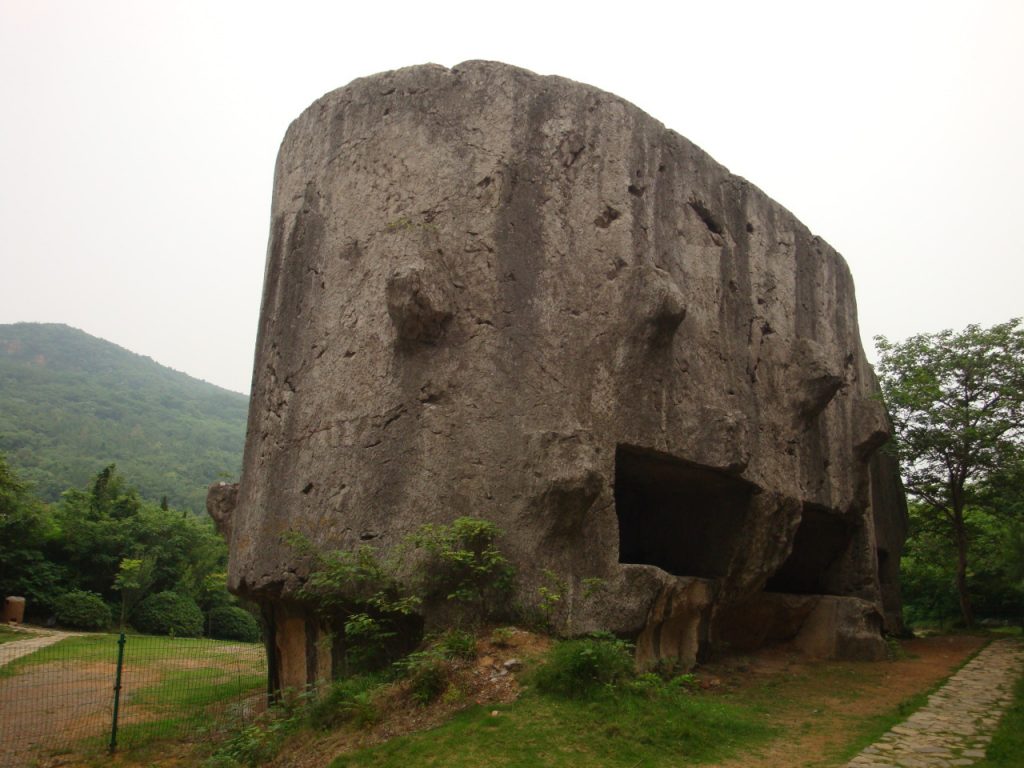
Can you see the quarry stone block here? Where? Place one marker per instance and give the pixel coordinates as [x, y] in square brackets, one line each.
[495, 294]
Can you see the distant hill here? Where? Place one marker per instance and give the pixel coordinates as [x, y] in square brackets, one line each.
[71, 403]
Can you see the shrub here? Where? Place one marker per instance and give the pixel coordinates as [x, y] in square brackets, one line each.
[82, 610]
[457, 644]
[584, 667]
[361, 589]
[229, 622]
[464, 565]
[346, 701]
[427, 674]
[168, 613]
[502, 637]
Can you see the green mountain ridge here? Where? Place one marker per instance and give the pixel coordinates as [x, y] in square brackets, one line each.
[71, 403]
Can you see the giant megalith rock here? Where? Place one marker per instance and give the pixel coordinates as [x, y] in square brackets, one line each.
[496, 294]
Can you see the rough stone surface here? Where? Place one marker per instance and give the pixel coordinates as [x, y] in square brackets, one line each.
[497, 294]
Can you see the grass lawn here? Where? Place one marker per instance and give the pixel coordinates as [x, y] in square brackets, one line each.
[172, 688]
[87, 648]
[666, 728]
[779, 711]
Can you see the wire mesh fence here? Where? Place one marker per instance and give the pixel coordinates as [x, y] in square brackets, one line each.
[61, 698]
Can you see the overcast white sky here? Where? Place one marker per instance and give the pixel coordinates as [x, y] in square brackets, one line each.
[137, 140]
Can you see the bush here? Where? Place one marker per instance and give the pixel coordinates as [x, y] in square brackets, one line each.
[584, 667]
[168, 613]
[82, 610]
[457, 644]
[427, 673]
[346, 701]
[464, 565]
[229, 622]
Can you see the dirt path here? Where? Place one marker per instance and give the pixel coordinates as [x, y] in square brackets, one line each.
[51, 704]
[956, 725]
[823, 706]
[34, 640]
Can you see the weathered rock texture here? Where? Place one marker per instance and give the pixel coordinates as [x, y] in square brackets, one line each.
[496, 294]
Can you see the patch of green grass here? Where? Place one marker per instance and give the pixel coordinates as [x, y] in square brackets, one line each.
[90, 648]
[173, 688]
[665, 727]
[1007, 631]
[139, 650]
[1007, 747]
[349, 700]
[9, 635]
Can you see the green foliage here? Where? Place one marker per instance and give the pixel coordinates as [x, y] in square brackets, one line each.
[365, 597]
[168, 613]
[463, 564]
[550, 596]
[229, 622]
[357, 588]
[349, 700]
[258, 743]
[957, 403]
[585, 667]
[9, 635]
[89, 539]
[668, 668]
[1007, 744]
[134, 578]
[457, 644]
[348, 582]
[928, 568]
[427, 673]
[501, 637]
[26, 528]
[82, 610]
[70, 403]
[663, 727]
[211, 591]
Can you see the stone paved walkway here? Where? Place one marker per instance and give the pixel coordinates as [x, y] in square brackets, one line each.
[34, 640]
[957, 723]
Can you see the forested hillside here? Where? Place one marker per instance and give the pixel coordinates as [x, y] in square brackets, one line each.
[70, 404]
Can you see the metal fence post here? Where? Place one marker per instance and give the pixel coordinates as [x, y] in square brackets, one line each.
[117, 693]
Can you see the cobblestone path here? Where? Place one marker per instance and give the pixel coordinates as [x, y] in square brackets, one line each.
[957, 723]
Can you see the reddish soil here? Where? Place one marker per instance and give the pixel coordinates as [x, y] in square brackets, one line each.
[821, 706]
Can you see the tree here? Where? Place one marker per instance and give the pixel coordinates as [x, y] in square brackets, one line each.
[26, 528]
[134, 578]
[957, 402]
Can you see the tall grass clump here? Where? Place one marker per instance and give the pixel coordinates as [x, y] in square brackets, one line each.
[349, 700]
[585, 667]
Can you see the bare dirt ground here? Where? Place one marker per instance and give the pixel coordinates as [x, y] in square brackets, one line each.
[52, 705]
[824, 706]
[54, 713]
[821, 706]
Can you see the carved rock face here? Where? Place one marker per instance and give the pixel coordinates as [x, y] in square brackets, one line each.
[496, 294]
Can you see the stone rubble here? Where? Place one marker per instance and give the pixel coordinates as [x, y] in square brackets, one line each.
[955, 727]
